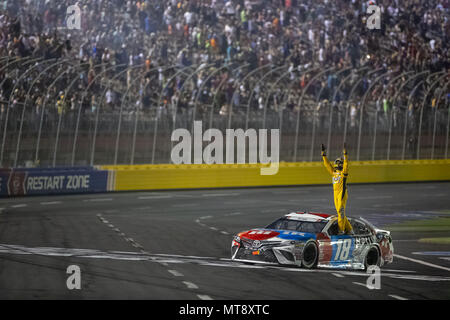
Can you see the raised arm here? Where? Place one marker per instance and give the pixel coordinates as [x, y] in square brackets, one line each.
[325, 161]
[345, 167]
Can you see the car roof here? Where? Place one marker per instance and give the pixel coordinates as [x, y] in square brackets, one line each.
[309, 216]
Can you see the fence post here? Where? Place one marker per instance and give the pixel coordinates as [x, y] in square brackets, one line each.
[394, 102]
[237, 89]
[435, 119]
[421, 113]
[253, 91]
[381, 96]
[311, 81]
[448, 129]
[19, 138]
[97, 114]
[83, 96]
[9, 102]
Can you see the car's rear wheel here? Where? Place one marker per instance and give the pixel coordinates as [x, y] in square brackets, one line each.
[372, 258]
[310, 255]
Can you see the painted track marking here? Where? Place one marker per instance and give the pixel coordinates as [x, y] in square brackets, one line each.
[360, 284]
[98, 200]
[175, 273]
[338, 275]
[190, 285]
[19, 206]
[397, 297]
[422, 262]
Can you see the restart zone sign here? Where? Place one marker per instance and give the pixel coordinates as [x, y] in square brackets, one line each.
[52, 181]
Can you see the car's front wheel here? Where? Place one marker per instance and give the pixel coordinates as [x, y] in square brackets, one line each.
[310, 255]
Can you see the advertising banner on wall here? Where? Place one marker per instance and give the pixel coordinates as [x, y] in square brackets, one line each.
[21, 182]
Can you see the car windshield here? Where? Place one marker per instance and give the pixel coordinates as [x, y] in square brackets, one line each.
[296, 225]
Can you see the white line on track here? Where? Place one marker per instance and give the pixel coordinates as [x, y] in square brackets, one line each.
[190, 285]
[19, 206]
[98, 199]
[360, 284]
[185, 205]
[50, 203]
[154, 197]
[290, 192]
[220, 194]
[204, 297]
[374, 197]
[232, 214]
[397, 297]
[399, 271]
[175, 273]
[274, 210]
[338, 275]
[224, 232]
[422, 262]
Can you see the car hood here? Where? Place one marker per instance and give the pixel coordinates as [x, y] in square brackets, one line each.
[274, 235]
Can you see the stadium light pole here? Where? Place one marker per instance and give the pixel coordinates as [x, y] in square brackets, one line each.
[419, 137]
[26, 102]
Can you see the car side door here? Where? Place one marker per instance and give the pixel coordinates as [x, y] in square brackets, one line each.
[342, 246]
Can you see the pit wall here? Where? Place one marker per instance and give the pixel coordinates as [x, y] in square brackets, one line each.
[158, 177]
[48, 181]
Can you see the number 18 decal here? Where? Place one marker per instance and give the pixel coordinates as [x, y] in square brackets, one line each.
[343, 249]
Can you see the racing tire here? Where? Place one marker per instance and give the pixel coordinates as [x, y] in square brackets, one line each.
[372, 258]
[310, 255]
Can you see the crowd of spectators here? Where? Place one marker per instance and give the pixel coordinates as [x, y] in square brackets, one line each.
[185, 55]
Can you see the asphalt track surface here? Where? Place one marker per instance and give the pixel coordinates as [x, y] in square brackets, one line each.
[176, 245]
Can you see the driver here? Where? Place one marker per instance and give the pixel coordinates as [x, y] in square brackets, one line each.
[339, 172]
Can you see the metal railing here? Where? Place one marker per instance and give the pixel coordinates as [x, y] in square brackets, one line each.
[380, 113]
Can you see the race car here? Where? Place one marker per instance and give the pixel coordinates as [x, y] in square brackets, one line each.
[312, 240]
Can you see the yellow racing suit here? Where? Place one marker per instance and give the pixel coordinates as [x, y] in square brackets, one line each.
[340, 191]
